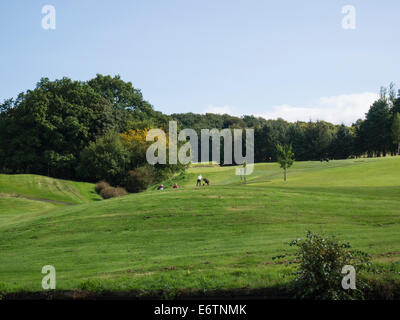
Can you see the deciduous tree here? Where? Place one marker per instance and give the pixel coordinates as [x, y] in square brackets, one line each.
[285, 157]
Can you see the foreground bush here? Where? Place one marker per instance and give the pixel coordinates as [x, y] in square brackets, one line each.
[111, 192]
[100, 186]
[321, 261]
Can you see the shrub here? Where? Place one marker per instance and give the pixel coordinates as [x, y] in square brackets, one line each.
[321, 261]
[120, 192]
[107, 193]
[139, 179]
[100, 186]
[111, 192]
[94, 285]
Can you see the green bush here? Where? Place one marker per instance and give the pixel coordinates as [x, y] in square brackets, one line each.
[93, 285]
[106, 158]
[139, 179]
[321, 260]
[100, 186]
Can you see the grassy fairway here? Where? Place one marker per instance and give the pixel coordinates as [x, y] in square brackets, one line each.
[218, 237]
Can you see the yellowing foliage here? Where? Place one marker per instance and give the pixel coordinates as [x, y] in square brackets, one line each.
[135, 139]
[134, 136]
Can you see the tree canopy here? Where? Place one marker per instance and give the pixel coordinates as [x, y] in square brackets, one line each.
[45, 129]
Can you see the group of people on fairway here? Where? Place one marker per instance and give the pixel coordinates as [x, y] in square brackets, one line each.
[199, 179]
[205, 181]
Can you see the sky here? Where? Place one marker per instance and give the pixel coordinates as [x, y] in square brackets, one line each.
[290, 59]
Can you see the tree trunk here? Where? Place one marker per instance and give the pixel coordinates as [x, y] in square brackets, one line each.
[284, 175]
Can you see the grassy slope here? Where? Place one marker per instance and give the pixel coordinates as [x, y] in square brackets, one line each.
[39, 187]
[222, 236]
[25, 196]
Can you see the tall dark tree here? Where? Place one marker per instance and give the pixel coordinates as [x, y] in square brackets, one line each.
[396, 131]
[377, 128]
[342, 143]
[318, 137]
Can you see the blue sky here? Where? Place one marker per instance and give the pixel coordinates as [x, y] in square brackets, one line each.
[270, 58]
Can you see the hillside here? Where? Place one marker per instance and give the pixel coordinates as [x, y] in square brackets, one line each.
[218, 237]
[45, 188]
[23, 196]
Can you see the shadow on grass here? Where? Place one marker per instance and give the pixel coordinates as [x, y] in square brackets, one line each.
[379, 289]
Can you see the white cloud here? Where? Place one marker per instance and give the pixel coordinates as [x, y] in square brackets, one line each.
[219, 109]
[346, 108]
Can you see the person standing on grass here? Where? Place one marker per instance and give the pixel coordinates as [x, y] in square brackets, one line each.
[199, 180]
[244, 171]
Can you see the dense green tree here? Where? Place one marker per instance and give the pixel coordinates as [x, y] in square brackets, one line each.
[396, 104]
[254, 122]
[44, 129]
[297, 138]
[140, 179]
[318, 137]
[396, 131]
[376, 128]
[106, 158]
[342, 143]
[359, 146]
[130, 110]
[264, 144]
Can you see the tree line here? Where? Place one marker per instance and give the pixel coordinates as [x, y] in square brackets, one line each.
[95, 130]
[375, 136]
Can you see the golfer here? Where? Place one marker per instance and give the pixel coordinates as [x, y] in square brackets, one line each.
[199, 180]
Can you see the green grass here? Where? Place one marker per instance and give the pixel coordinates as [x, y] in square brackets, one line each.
[219, 237]
[45, 188]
